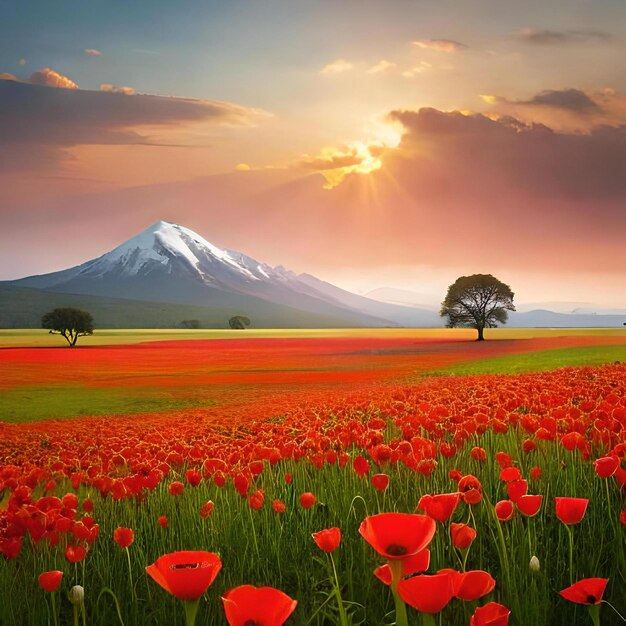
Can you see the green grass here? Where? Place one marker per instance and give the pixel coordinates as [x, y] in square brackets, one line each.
[37, 402]
[537, 361]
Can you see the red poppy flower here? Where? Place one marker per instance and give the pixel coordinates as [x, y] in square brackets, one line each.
[194, 477]
[187, 574]
[88, 505]
[606, 466]
[360, 465]
[307, 500]
[123, 537]
[510, 473]
[397, 535]
[622, 517]
[75, 554]
[504, 460]
[491, 614]
[278, 506]
[380, 481]
[535, 472]
[328, 539]
[163, 521]
[586, 591]
[256, 499]
[473, 585]
[428, 594]
[288, 479]
[206, 510]
[261, 606]
[411, 565]
[479, 454]
[176, 488]
[441, 506]
[529, 505]
[50, 581]
[462, 535]
[70, 501]
[571, 510]
[516, 489]
[505, 510]
[471, 489]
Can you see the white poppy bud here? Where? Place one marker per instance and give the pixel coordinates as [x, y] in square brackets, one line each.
[534, 564]
[77, 595]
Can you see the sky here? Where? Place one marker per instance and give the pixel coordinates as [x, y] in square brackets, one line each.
[388, 144]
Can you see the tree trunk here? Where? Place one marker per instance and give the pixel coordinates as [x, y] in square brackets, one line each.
[480, 333]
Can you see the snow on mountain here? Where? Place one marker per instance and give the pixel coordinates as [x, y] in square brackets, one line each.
[170, 263]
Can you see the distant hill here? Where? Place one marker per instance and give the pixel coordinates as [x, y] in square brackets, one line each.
[21, 307]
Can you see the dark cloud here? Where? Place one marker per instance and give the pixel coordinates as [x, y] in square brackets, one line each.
[570, 99]
[34, 115]
[521, 158]
[545, 37]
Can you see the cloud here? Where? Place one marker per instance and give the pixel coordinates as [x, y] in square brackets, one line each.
[330, 159]
[440, 45]
[423, 66]
[570, 99]
[129, 91]
[50, 78]
[544, 37]
[336, 163]
[381, 66]
[44, 120]
[336, 67]
[92, 52]
[564, 109]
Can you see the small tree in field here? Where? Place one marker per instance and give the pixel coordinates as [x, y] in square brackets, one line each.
[68, 322]
[239, 322]
[479, 301]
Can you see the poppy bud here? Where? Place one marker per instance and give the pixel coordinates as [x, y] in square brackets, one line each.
[534, 564]
[77, 595]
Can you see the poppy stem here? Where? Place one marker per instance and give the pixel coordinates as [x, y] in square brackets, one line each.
[428, 620]
[396, 575]
[130, 576]
[191, 610]
[343, 618]
[54, 609]
[618, 613]
[594, 613]
[571, 553]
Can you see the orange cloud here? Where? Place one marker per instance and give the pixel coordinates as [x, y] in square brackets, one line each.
[381, 66]
[336, 67]
[440, 45]
[48, 77]
[129, 91]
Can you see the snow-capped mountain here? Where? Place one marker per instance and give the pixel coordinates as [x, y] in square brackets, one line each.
[170, 263]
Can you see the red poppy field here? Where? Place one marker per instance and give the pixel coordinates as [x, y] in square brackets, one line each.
[314, 481]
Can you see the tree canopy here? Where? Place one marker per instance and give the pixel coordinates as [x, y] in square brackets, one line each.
[69, 323]
[239, 322]
[479, 301]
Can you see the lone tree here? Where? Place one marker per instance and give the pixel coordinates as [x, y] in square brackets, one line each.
[71, 323]
[478, 301]
[239, 322]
